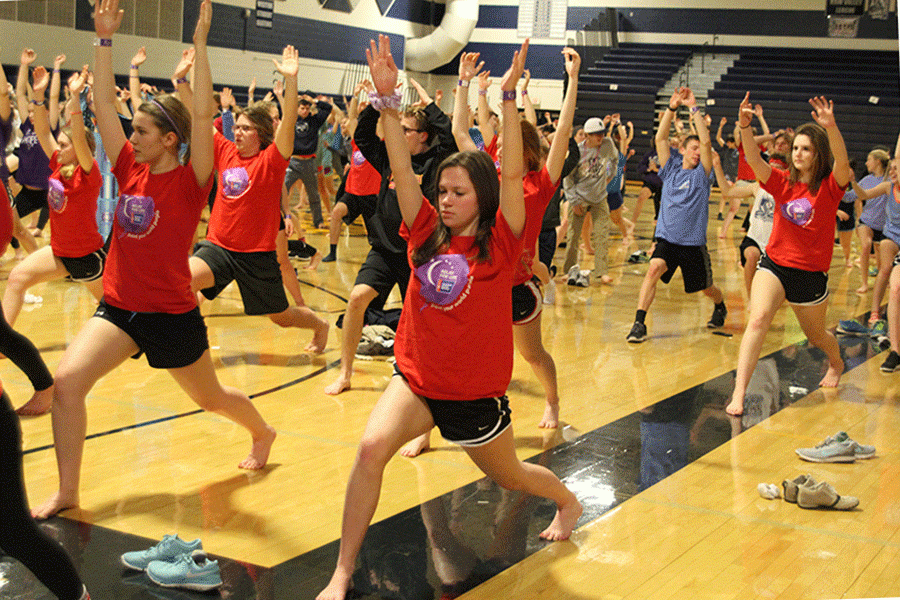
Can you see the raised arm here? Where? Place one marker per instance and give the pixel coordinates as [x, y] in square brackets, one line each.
[42, 129]
[823, 114]
[79, 132]
[558, 147]
[22, 88]
[288, 67]
[202, 150]
[134, 77]
[512, 161]
[483, 114]
[251, 91]
[468, 68]
[5, 104]
[719, 139]
[384, 77]
[53, 107]
[698, 119]
[180, 77]
[665, 124]
[867, 194]
[527, 106]
[227, 102]
[107, 19]
[353, 107]
[761, 168]
[766, 134]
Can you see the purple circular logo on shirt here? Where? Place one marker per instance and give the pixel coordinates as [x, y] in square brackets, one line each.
[799, 211]
[56, 195]
[358, 158]
[135, 214]
[235, 182]
[443, 278]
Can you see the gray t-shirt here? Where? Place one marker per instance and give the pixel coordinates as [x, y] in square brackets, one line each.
[586, 184]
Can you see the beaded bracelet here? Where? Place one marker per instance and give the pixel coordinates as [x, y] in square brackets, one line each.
[482, 92]
[380, 103]
[134, 66]
[181, 80]
[509, 95]
[463, 83]
[524, 92]
[106, 42]
[694, 109]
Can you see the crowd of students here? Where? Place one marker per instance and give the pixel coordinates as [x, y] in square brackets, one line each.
[463, 213]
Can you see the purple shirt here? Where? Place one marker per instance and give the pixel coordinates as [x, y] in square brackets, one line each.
[34, 165]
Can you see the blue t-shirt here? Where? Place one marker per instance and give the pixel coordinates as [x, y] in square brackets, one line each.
[684, 208]
[873, 213]
[892, 221]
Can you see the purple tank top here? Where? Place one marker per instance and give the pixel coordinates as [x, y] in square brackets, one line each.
[34, 165]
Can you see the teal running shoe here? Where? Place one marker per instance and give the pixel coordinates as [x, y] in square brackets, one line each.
[169, 549]
[189, 571]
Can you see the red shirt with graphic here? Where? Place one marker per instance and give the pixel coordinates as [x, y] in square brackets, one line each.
[247, 212]
[455, 340]
[362, 178]
[73, 210]
[803, 229]
[156, 219]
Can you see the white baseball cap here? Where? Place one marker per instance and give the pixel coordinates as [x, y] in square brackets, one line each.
[594, 125]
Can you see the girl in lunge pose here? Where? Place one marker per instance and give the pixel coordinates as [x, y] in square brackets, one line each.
[454, 345]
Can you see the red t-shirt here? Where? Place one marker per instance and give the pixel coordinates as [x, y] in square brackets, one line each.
[745, 171]
[455, 340]
[73, 210]
[803, 229]
[247, 212]
[156, 219]
[538, 192]
[493, 150]
[362, 179]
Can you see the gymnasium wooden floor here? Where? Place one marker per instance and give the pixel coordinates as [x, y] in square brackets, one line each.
[668, 481]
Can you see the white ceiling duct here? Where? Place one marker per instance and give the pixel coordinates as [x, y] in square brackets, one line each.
[441, 45]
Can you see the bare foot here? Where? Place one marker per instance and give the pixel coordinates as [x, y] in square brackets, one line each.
[314, 261]
[606, 279]
[40, 404]
[629, 230]
[320, 339]
[564, 522]
[55, 504]
[417, 446]
[721, 234]
[338, 385]
[832, 377]
[735, 408]
[550, 419]
[259, 453]
[337, 588]
[862, 289]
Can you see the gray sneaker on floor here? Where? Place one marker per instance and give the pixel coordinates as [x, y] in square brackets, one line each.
[791, 486]
[823, 495]
[860, 451]
[829, 451]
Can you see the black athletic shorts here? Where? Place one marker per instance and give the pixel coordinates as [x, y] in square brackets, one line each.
[804, 288]
[381, 271]
[527, 301]
[258, 276]
[468, 422]
[170, 341]
[849, 224]
[85, 268]
[358, 205]
[747, 242]
[696, 269]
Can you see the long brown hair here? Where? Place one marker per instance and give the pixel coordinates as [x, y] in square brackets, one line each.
[172, 117]
[823, 160]
[483, 174]
[531, 146]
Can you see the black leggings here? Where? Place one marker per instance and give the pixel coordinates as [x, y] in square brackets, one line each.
[24, 355]
[20, 537]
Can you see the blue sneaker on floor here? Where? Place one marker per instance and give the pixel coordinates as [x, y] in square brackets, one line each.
[879, 328]
[189, 571]
[169, 549]
[851, 327]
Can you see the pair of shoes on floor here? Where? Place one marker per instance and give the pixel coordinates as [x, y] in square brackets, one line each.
[176, 563]
[805, 492]
[852, 327]
[836, 448]
[578, 278]
[718, 317]
[637, 334]
[878, 328]
[638, 257]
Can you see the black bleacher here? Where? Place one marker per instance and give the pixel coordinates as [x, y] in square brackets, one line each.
[862, 84]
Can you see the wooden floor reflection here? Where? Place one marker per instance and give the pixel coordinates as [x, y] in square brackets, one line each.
[155, 465]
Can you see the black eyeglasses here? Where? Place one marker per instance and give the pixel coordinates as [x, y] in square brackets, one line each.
[408, 129]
